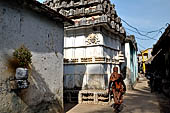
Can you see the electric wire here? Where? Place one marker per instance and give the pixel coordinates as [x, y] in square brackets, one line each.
[147, 33]
[136, 32]
[142, 38]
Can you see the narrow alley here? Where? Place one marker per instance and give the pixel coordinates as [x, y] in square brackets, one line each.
[139, 100]
[84, 56]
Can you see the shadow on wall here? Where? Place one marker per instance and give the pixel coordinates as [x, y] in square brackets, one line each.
[96, 81]
[124, 69]
[40, 35]
[95, 77]
[73, 76]
[126, 72]
[83, 77]
[123, 72]
[73, 83]
[38, 96]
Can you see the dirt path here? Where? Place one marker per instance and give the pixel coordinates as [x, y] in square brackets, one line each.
[140, 100]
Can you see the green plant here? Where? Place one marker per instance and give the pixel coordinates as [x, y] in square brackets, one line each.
[23, 56]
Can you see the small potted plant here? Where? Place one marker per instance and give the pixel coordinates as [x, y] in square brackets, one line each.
[23, 57]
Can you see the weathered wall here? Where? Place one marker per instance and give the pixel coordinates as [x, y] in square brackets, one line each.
[44, 38]
[91, 74]
[86, 76]
[77, 46]
[128, 81]
[131, 65]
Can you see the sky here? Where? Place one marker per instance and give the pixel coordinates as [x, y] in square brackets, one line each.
[41, 0]
[146, 16]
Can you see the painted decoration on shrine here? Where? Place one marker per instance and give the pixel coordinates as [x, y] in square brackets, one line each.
[92, 39]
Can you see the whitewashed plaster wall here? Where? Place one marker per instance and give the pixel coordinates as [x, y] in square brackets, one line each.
[89, 76]
[128, 68]
[45, 39]
[83, 52]
[77, 46]
[112, 41]
[131, 65]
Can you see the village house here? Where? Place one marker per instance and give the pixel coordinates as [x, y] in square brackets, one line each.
[160, 63]
[41, 30]
[143, 58]
[131, 64]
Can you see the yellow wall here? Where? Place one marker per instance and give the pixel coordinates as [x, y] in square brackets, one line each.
[144, 59]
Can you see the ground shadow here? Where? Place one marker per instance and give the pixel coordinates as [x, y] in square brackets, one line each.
[69, 106]
[141, 101]
[164, 103]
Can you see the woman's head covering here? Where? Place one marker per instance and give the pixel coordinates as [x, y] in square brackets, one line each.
[115, 69]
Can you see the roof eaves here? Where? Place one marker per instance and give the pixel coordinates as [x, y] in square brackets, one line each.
[131, 39]
[157, 47]
[43, 9]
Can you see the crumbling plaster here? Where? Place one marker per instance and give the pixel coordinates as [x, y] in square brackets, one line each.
[44, 38]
